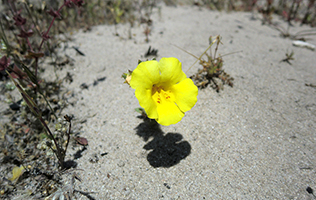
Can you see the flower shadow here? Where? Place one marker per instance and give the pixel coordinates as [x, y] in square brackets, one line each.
[167, 150]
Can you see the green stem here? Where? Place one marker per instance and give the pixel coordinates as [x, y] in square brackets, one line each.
[48, 104]
[59, 152]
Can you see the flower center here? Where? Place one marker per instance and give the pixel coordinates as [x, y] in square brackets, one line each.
[159, 94]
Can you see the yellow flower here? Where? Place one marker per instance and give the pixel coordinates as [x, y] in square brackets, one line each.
[163, 90]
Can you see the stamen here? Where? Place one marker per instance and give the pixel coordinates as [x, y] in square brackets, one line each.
[157, 91]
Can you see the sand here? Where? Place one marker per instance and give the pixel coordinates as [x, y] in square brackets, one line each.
[256, 140]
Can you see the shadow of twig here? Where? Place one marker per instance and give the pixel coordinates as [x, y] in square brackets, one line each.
[86, 194]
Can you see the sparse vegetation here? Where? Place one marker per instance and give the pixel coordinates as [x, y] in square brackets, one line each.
[290, 10]
[36, 134]
[28, 142]
[212, 68]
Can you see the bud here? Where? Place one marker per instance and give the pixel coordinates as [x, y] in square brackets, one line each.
[127, 76]
[18, 19]
[4, 63]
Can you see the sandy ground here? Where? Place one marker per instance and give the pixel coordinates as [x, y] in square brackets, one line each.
[256, 140]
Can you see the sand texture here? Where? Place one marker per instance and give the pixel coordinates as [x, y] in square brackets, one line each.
[255, 140]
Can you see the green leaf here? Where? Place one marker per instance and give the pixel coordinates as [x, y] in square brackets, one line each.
[141, 111]
[30, 74]
[28, 100]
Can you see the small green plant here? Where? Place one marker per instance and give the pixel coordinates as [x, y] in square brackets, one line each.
[117, 13]
[212, 68]
[288, 58]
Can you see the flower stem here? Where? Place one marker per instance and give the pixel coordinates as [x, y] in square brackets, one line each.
[50, 26]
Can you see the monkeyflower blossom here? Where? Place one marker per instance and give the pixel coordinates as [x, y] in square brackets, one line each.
[163, 90]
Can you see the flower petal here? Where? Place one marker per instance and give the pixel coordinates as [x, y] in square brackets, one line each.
[145, 75]
[171, 71]
[146, 101]
[185, 94]
[163, 90]
[168, 113]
